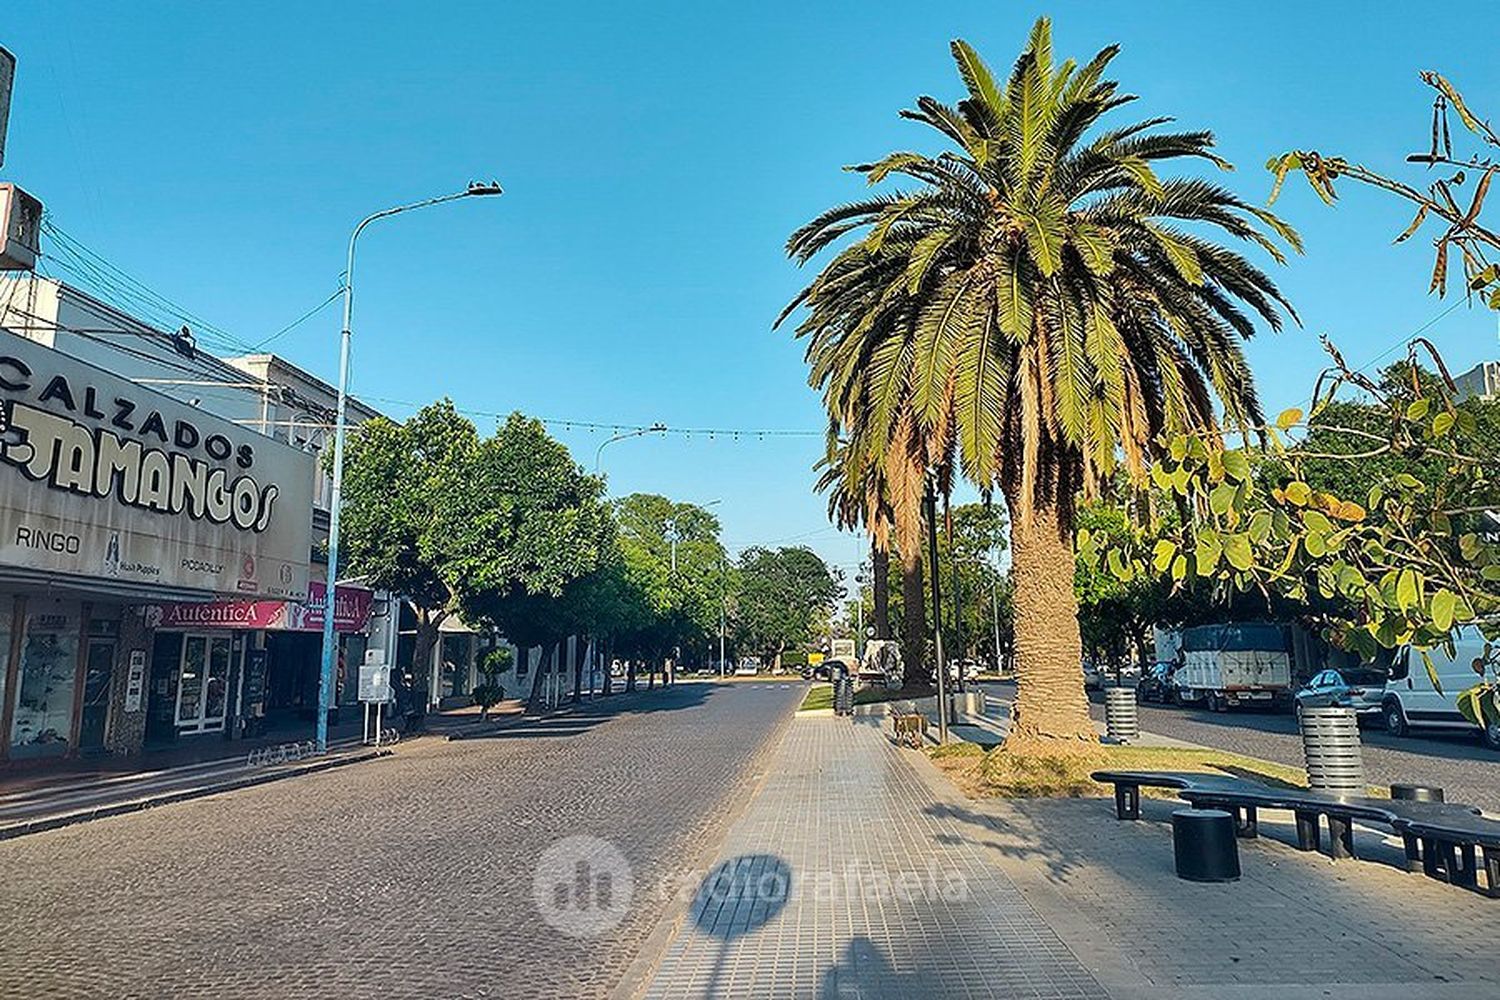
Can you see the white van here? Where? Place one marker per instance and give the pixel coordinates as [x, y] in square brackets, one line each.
[1412, 702]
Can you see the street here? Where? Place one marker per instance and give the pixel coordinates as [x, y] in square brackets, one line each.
[1457, 763]
[410, 876]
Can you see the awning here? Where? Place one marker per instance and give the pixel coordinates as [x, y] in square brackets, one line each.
[351, 612]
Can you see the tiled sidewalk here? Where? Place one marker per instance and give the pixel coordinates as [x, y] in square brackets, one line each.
[847, 877]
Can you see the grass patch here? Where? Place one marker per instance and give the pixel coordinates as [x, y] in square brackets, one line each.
[997, 774]
[820, 696]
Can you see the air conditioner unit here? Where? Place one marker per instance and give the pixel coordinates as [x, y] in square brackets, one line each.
[20, 229]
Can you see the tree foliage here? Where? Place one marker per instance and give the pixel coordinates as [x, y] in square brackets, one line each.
[1405, 563]
[1038, 305]
[783, 593]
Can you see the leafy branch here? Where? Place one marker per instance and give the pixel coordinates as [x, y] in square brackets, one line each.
[1464, 231]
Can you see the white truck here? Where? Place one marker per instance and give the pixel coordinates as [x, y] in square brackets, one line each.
[1224, 666]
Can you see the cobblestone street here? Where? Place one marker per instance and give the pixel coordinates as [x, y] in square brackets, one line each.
[405, 877]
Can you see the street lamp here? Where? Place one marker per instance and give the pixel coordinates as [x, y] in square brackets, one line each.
[330, 649]
[657, 428]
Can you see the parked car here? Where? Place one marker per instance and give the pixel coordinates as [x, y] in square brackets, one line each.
[1362, 689]
[1093, 680]
[823, 671]
[1411, 700]
[1156, 686]
[749, 667]
[966, 669]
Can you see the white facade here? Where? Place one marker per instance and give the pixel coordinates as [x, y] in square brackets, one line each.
[1480, 382]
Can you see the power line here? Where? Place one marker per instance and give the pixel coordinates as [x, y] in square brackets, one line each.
[617, 427]
[299, 320]
[1407, 339]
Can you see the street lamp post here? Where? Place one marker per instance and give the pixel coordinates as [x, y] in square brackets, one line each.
[330, 649]
[657, 428]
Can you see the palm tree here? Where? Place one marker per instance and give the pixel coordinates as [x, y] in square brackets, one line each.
[1040, 308]
[857, 500]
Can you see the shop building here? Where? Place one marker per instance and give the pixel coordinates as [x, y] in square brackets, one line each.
[113, 497]
[259, 393]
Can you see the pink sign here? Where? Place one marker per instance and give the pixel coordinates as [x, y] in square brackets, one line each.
[351, 612]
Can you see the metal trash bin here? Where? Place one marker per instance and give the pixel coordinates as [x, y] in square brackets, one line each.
[843, 696]
[1121, 720]
[1204, 846]
[1330, 746]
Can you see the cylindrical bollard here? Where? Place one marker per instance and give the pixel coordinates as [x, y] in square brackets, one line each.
[843, 696]
[1121, 721]
[1330, 745]
[1204, 845]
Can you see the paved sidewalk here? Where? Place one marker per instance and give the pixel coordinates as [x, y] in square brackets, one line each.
[857, 870]
[1297, 925]
[844, 877]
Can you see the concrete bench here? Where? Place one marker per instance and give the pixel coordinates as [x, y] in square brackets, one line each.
[1439, 838]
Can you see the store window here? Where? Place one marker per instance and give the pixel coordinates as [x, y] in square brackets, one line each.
[46, 678]
[5, 620]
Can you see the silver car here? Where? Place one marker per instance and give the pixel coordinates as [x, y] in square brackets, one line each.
[1360, 689]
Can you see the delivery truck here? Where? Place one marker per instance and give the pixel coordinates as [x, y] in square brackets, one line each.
[1228, 666]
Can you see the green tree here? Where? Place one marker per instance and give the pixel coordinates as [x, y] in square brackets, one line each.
[527, 525]
[1405, 564]
[783, 594]
[397, 480]
[1039, 306]
[683, 605]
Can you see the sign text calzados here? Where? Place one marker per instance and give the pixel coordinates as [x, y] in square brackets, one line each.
[109, 479]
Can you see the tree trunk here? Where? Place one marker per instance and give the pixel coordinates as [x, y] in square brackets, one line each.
[544, 667]
[579, 648]
[880, 563]
[914, 621]
[1051, 711]
[630, 674]
[421, 667]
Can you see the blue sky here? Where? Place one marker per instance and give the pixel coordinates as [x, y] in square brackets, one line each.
[655, 156]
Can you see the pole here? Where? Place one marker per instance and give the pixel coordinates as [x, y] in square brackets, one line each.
[937, 616]
[995, 621]
[335, 496]
[330, 589]
[958, 627]
[723, 611]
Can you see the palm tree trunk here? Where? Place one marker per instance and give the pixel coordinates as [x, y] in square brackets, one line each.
[880, 562]
[1051, 711]
[914, 621]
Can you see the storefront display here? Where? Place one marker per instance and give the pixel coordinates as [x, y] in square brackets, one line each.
[48, 671]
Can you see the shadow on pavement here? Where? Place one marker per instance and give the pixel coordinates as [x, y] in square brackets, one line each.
[863, 971]
[738, 897]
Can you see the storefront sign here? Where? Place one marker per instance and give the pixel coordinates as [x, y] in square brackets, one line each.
[351, 613]
[100, 477]
[135, 681]
[374, 682]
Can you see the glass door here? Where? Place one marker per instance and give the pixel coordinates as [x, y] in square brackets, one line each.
[99, 668]
[203, 683]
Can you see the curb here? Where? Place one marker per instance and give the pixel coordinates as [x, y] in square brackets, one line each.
[26, 827]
